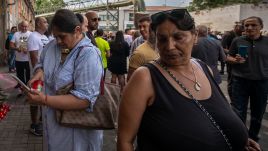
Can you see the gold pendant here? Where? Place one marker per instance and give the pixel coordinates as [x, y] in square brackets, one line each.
[197, 86]
[65, 51]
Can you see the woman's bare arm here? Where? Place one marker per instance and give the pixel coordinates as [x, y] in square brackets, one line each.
[137, 95]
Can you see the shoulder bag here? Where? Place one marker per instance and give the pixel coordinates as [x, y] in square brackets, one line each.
[105, 109]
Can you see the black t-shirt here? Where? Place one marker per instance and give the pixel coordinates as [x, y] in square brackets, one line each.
[256, 65]
[227, 39]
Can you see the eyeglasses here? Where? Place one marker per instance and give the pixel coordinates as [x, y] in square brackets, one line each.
[181, 18]
[96, 19]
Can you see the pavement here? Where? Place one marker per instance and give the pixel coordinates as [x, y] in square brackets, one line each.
[15, 135]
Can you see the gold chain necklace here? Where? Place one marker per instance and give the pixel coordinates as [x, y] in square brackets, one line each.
[197, 85]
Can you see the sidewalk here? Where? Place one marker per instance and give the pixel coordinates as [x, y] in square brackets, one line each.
[15, 136]
[14, 130]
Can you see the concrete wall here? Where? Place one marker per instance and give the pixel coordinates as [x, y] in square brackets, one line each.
[248, 10]
[223, 19]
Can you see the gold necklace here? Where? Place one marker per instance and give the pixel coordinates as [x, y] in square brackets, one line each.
[64, 54]
[197, 85]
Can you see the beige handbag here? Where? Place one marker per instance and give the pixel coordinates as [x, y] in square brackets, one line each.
[105, 110]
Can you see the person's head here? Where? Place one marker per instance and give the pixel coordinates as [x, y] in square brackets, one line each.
[202, 31]
[41, 24]
[253, 26]
[24, 26]
[175, 36]
[144, 25]
[93, 20]
[66, 28]
[128, 31]
[83, 20]
[119, 36]
[238, 29]
[99, 33]
[13, 29]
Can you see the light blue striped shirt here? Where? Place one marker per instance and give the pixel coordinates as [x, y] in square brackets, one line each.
[138, 41]
[83, 66]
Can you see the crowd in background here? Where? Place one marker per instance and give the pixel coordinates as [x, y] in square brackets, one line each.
[172, 76]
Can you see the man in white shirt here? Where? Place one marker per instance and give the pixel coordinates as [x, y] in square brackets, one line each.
[36, 42]
[19, 44]
[127, 36]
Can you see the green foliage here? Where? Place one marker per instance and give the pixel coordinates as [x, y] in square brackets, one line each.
[44, 4]
[208, 4]
[140, 5]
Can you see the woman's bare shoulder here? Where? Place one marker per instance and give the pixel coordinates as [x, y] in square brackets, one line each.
[142, 74]
[139, 89]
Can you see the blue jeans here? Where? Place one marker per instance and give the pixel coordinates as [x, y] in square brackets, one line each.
[11, 59]
[256, 90]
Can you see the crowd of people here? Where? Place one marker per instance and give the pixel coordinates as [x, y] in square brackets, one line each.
[171, 97]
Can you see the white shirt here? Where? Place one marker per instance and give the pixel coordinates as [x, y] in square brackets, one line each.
[128, 39]
[20, 38]
[36, 42]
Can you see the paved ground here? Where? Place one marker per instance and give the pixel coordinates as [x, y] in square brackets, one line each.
[14, 134]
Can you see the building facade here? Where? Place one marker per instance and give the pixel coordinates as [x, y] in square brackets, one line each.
[12, 12]
[125, 17]
[224, 18]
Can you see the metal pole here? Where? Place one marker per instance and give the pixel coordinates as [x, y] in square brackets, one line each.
[107, 15]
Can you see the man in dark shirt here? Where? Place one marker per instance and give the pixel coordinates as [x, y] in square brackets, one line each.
[248, 56]
[226, 43]
[93, 23]
[209, 51]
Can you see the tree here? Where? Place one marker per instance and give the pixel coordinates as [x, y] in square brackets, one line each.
[207, 4]
[46, 4]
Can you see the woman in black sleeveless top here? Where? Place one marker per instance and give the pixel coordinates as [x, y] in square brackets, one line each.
[174, 104]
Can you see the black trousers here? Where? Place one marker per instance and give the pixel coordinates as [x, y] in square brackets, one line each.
[255, 91]
[23, 70]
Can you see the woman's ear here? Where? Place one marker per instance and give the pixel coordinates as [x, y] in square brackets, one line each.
[78, 29]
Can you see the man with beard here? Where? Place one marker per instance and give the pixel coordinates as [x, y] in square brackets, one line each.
[93, 23]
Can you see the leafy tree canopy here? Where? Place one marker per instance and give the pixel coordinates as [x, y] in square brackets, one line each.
[45, 4]
[207, 4]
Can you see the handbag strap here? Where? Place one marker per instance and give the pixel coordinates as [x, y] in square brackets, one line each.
[199, 105]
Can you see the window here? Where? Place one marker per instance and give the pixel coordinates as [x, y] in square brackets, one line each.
[131, 17]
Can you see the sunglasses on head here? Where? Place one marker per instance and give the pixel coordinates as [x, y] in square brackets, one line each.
[181, 17]
[96, 19]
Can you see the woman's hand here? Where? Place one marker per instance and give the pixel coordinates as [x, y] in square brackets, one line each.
[39, 75]
[252, 146]
[36, 97]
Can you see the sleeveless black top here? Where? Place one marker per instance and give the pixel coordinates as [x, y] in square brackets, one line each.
[174, 123]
